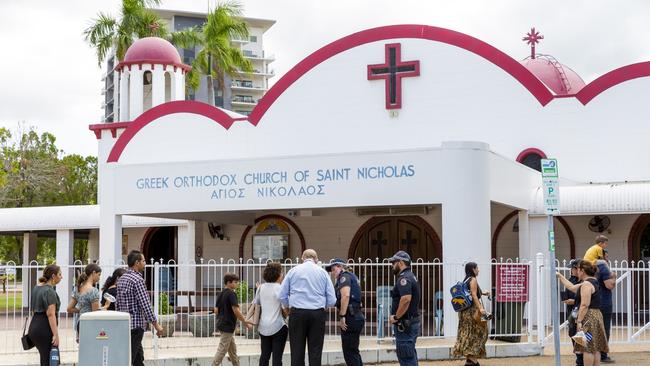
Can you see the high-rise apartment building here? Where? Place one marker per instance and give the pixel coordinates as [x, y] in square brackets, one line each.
[239, 93]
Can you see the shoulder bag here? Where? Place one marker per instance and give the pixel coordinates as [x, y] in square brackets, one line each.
[27, 343]
[254, 310]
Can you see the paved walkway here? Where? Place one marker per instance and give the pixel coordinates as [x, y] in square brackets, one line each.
[622, 359]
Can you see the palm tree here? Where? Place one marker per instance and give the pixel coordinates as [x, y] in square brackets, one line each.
[217, 56]
[136, 21]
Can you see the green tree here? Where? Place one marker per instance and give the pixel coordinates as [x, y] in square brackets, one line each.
[217, 56]
[31, 169]
[79, 182]
[34, 172]
[135, 21]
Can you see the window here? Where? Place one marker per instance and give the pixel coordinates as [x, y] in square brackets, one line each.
[243, 99]
[271, 240]
[243, 83]
[253, 39]
[532, 158]
[188, 56]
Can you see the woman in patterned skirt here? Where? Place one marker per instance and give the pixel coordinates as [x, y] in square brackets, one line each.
[472, 335]
[589, 319]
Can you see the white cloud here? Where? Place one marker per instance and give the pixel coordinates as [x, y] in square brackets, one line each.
[50, 76]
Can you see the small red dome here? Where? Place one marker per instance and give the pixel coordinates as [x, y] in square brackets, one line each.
[557, 77]
[152, 49]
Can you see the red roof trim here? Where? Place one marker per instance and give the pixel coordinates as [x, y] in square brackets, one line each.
[128, 64]
[613, 78]
[471, 44]
[183, 106]
[531, 150]
[113, 126]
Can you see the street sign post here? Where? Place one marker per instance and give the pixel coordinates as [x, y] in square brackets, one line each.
[551, 187]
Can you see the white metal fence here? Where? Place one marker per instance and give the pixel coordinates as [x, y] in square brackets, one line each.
[630, 303]
[189, 291]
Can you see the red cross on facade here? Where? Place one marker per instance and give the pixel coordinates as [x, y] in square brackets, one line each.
[392, 71]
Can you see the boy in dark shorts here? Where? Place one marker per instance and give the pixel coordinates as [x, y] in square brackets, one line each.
[227, 310]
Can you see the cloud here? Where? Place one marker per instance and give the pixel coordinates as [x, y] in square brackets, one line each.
[50, 76]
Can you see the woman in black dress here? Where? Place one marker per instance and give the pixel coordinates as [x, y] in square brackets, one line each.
[110, 289]
[45, 304]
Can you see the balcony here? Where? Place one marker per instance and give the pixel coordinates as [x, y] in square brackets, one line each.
[239, 40]
[255, 56]
[258, 72]
[243, 100]
[246, 85]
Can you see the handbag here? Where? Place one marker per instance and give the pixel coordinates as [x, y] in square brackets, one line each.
[477, 316]
[26, 341]
[254, 311]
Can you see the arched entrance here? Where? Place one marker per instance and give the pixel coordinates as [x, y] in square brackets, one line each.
[638, 242]
[638, 249]
[381, 236]
[159, 244]
[509, 220]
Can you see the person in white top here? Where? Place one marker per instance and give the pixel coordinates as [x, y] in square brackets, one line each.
[272, 326]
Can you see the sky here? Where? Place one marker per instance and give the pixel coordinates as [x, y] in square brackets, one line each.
[50, 78]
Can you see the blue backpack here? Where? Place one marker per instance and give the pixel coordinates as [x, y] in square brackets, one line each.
[461, 297]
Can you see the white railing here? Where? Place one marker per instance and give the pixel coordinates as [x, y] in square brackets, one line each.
[192, 288]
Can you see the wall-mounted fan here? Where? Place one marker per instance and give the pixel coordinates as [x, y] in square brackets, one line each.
[599, 223]
[216, 231]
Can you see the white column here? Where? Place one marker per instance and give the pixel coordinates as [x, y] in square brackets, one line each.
[178, 91]
[64, 253]
[93, 245]
[466, 217]
[524, 236]
[158, 86]
[124, 96]
[135, 92]
[190, 237]
[110, 239]
[30, 276]
[538, 229]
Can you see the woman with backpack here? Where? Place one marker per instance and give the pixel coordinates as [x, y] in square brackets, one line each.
[472, 329]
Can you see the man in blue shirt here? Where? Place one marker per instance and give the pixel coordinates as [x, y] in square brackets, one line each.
[607, 281]
[307, 290]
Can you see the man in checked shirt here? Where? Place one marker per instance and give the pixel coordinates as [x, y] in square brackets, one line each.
[132, 298]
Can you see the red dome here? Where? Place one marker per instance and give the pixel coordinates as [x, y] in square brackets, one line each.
[557, 77]
[152, 49]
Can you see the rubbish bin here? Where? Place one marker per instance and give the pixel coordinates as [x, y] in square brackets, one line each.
[508, 317]
[104, 339]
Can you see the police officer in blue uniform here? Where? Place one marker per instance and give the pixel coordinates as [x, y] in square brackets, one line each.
[348, 307]
[405, 315]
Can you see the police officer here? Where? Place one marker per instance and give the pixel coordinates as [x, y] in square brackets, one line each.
[348, 307]
[405, 316]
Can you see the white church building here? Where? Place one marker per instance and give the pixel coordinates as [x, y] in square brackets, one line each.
[405, 137]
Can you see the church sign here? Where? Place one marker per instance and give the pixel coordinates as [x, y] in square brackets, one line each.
[276, 183]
